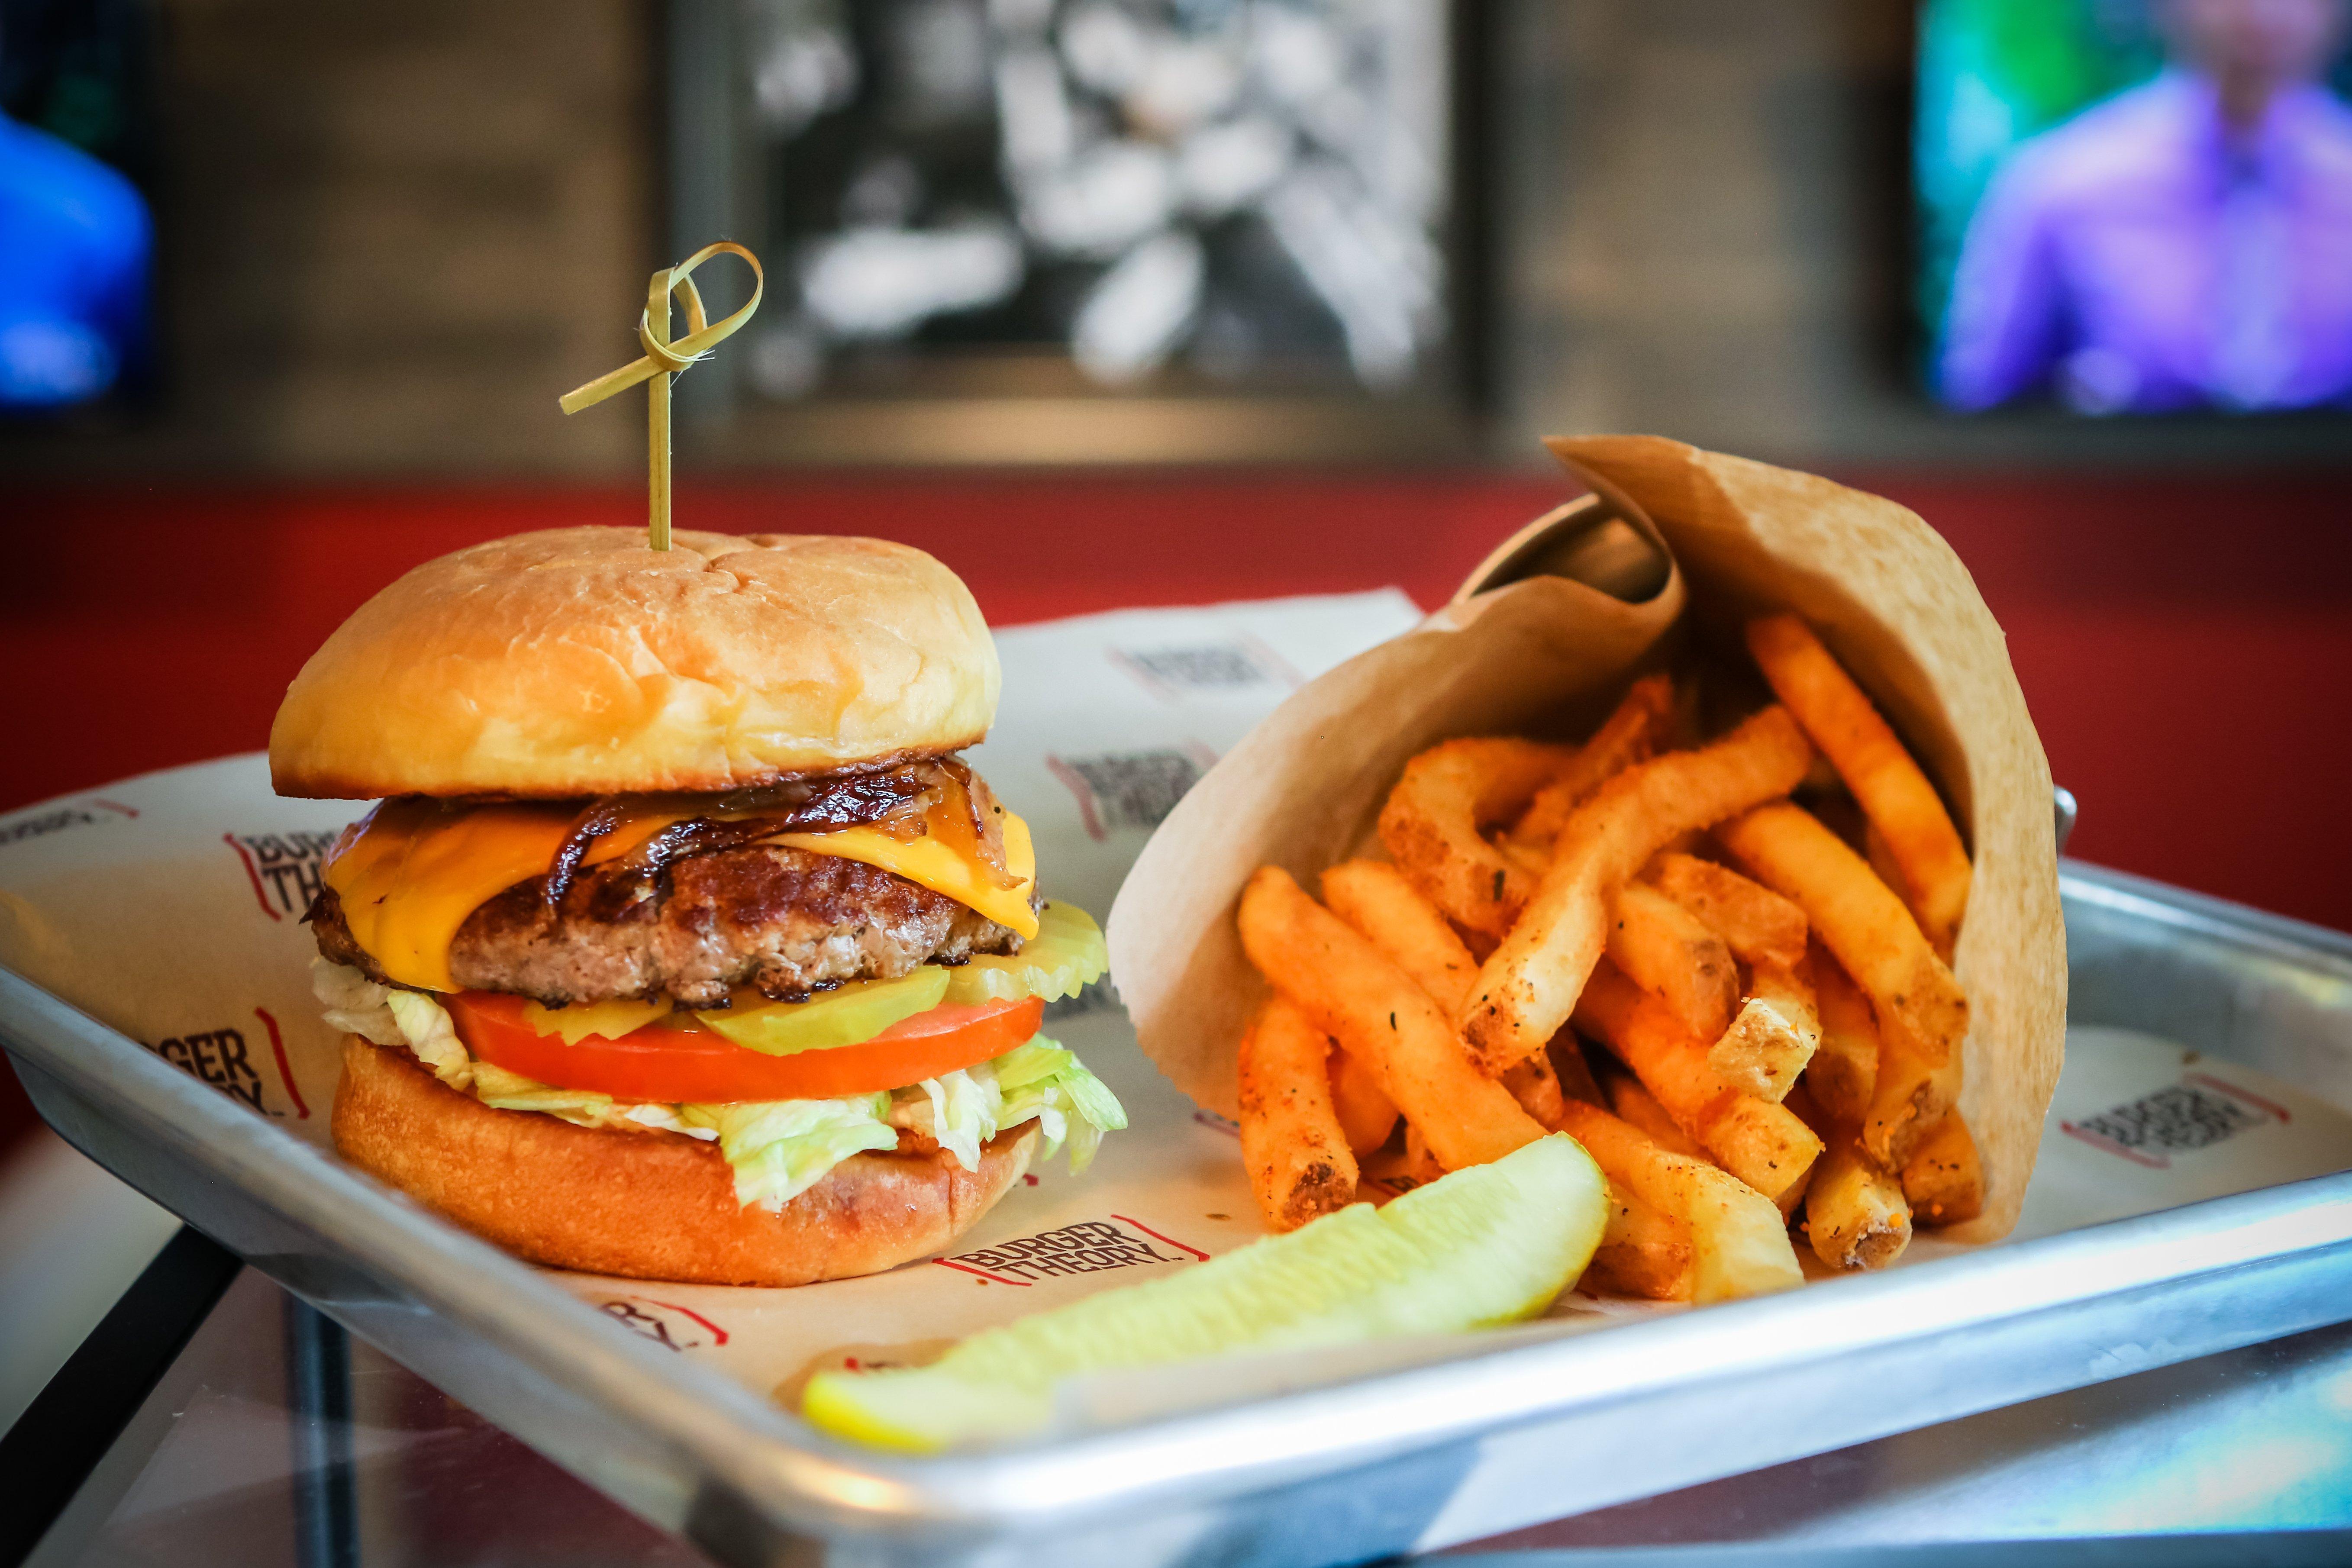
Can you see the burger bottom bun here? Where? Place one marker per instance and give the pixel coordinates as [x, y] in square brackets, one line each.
[648, 1205]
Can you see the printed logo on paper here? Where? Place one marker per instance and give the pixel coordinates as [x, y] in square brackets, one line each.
[60, 819]
[1089, 1247]
[678, 1328]
[284, 867]
[1131, 789]
[2196, 1113]
[1214, 668]
[223, 1057]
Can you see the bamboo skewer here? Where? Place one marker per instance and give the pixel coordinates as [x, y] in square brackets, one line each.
[663, 359]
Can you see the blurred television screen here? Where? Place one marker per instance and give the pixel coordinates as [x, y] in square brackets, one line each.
[2135, 207]
[77, 240]
[985, 198]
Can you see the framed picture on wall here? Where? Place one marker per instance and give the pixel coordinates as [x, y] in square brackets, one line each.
[1085, 230]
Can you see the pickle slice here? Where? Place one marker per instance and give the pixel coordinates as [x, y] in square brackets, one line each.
[611, 1020]
[1488, 1244]
[843, 1017]
[1067, 954]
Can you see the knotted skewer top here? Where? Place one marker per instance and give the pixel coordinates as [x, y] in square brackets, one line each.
[664, 359]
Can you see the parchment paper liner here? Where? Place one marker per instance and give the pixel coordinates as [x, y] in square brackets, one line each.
[1548, 657]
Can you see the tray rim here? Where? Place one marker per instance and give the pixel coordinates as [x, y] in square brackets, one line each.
[802, 1480]
[2218, 919]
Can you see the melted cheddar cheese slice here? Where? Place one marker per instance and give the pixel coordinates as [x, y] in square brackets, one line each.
[411, 871]
[940, 865]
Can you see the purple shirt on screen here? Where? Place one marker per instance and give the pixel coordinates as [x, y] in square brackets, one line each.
[2143, 256]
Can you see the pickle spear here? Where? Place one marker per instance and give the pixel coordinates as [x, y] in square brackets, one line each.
[1488, 1244]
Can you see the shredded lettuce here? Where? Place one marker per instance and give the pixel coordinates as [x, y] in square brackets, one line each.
[500, 1089]
[1036, 1082]
[664, 1119]
[782, 1147]
[433, 1037]
[354, 1003]
[1041, 1079]
[958, 1110]
[777, 1149]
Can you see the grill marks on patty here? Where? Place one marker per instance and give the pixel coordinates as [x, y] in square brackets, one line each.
[785, 920]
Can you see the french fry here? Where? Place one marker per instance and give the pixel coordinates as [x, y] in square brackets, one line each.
[1536, 1086]
[1404, 1167]
[1910, 1097]
[1645, 1252]
[1763, 1049]
[1800, 1105]
[1381, 902]
[1346, 989]
[1739, 1242]
[1528, 987]
[1627, 736]
[1300, 1163]
[1761, 1142]
[1893, 790]
[1881, 861]
[1794, 1193]
[1844, 1073]
[1760, 925]
[1526, 856]
[1637, 1105]
[1366, 1113]
[1683, 844]
[1945, 1180]
[1432, 824]
[1666, 948]
[1763, 1145]
[1573, 1073]
[1420, 1164]
[1858, 918]
[1855, 1216]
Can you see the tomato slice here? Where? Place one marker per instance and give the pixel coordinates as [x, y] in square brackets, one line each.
[671, 1066]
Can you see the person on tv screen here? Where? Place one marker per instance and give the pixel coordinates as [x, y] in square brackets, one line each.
[75, 245]
[2186, 244]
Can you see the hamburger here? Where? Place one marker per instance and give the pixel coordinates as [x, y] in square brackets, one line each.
[681, 943]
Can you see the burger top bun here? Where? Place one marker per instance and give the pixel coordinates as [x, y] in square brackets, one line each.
[576, 661]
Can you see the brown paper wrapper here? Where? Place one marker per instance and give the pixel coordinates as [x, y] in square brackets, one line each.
[1548, 657]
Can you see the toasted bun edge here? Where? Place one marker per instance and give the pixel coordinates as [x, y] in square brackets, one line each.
[576, 661]
[648, 1205]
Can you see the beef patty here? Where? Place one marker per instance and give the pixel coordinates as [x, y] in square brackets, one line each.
[785, 921]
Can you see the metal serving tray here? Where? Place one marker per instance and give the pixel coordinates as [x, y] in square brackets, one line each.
[1391, 1462]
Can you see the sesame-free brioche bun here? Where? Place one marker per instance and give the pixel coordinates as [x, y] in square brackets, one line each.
[577, 661]
[648, 1205]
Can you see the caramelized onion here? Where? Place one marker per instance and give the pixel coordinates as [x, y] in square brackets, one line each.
[597, 818]
[745, 816]
[986, 816]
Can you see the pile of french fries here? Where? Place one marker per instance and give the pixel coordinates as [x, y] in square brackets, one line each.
[1774, 1026]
